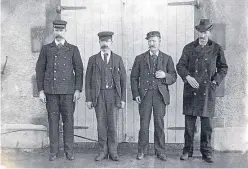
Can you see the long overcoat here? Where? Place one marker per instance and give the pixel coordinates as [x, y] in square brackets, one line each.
[205, 64]
[59, 71]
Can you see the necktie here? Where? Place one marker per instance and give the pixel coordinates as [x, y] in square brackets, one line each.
[59, 45]
[105, 58]
[154, 57]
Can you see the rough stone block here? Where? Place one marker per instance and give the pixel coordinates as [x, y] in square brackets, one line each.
[230, 139]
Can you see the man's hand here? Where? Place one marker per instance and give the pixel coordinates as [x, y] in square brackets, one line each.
[89, 105]
[138, 100]
[42, 96]
[76, 95]
[122, 104]
[193, 83]
[160, 74]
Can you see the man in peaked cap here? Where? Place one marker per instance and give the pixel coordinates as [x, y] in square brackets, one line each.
[105, 87]
[202, 67]
[59, 73]
[152, 73]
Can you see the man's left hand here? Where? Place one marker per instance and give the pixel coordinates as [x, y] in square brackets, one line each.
[160, 74]
[76, 95]
[122, 104]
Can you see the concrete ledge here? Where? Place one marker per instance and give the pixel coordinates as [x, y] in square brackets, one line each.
[26, 136]
[230, 139]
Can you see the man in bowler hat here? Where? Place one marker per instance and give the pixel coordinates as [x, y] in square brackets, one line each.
[202, 67]
[59, 73]
[152, 73]
[105, 87]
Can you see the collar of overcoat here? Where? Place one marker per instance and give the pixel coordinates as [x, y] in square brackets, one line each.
[63, 49]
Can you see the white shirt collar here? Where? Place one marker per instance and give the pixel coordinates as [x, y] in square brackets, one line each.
[61, 42]
[109, 53]
[155, 53]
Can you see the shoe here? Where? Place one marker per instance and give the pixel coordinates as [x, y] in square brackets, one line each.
[70, 156]
[162, 157]
[207, 158]
[101, 156]
[185, 156]
[114, 157]
[140, 156]
[52, 157]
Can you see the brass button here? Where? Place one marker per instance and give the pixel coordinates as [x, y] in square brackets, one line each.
[54, 71]
[55, 56]
[197, 60]
[206, 70]
[196, 71]
[204, 94]
[205, 81]
[63, 79]
[54, 63]
[206, 59]
[54, 78]
[64, 64]
[195, 94]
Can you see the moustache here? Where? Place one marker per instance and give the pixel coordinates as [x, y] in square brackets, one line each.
[104, 47]
[152, 46]
[58, 36]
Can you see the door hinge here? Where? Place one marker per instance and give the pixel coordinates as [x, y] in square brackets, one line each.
[60, 8]
[196, 3]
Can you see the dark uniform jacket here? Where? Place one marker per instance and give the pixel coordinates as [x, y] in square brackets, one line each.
[141, 72]
[59, 71]
[205, 65]
[93, 78]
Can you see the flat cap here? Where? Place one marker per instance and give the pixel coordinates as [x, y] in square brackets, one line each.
[152, 34]
[59, 24]
[105, 35]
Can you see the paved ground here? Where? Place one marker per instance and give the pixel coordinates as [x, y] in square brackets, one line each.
[85, 159]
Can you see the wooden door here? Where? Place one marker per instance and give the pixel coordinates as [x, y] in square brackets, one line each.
[130, 20]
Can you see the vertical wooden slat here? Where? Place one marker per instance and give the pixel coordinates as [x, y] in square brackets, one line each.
[171, 110]
[181, 22]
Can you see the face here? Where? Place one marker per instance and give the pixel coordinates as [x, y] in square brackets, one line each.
[105, 44]
[154, 43]
[203, 37]
[59, 33]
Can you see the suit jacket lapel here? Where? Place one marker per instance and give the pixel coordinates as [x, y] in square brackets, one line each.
[147, 59]
[99, 60]
[160, 61]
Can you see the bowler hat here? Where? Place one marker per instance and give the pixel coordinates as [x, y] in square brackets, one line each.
[152, 34]
[204, 25]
